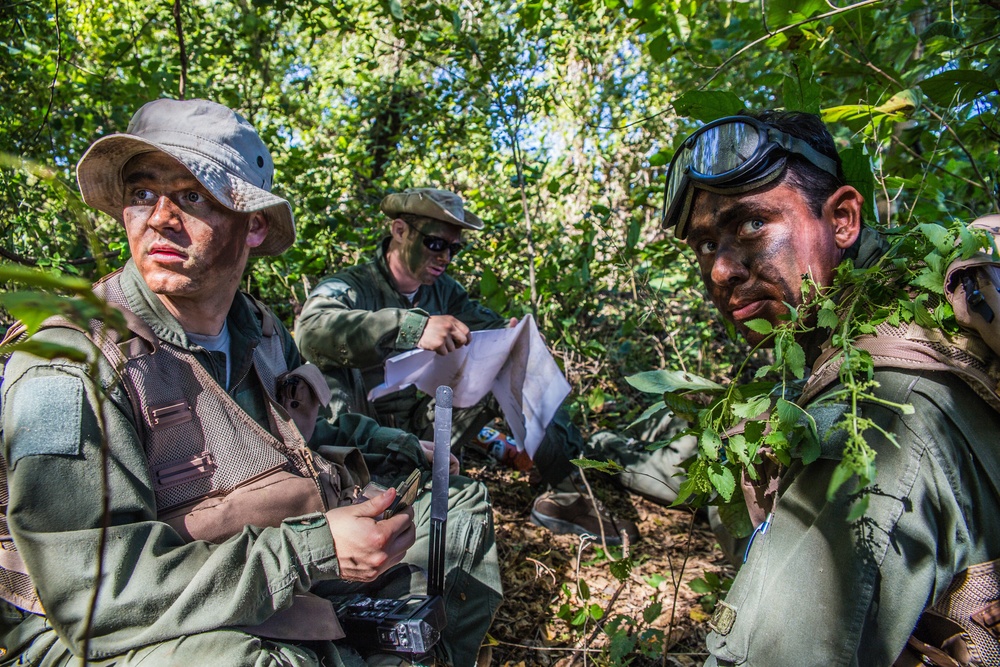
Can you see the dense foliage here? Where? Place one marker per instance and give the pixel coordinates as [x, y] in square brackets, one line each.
[555, 119]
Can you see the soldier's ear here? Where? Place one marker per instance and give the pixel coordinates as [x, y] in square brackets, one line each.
[257, 229]
[397, 230]
[843, 211]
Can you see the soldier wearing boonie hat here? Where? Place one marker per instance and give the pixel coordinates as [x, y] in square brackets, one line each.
[219, 518]
[403, 299]
[217, 145]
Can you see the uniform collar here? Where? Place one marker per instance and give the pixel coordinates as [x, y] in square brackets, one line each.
[244, 327]
[383, 266]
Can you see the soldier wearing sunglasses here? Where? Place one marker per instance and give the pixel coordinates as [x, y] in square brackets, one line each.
[762, 202]
[403, 299]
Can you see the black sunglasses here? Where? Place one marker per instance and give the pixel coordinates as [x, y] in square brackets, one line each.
[438, 244]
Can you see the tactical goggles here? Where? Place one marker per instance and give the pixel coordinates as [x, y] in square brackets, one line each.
[438, 244]
[729, 156]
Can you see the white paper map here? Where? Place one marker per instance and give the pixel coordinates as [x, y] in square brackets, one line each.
[513, 364]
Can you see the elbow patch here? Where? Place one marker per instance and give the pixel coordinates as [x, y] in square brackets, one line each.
[45, 417]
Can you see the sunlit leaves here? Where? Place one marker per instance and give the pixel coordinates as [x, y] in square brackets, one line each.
[707, 105]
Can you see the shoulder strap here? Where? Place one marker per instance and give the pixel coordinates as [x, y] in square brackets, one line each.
[911, 347]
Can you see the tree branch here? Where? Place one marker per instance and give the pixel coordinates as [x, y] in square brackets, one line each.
[183, 53]
[818, 17]
[55, 77]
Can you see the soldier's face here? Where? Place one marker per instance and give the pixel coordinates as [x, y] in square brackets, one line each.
[423, 264]
[184, 242]
[755, 249]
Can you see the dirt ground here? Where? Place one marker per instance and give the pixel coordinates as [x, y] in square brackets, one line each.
[540, 572]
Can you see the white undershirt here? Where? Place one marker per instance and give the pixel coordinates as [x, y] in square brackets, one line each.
[217, 343]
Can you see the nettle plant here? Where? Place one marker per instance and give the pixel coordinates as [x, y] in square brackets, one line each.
[741, 424]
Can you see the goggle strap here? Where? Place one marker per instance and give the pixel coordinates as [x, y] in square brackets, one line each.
[799, 147]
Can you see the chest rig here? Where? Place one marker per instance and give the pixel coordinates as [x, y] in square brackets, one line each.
[214, 468]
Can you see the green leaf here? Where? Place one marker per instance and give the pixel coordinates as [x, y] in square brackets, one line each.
[841, 474]
[661, 382]
[920, 313]
[621, 569]
[654, 410]
[44, 279]
[752, 408]
[800, 90]
[661, 47]
[795, 357]
[827, 316]
[659, 159]
[929, 280]
[735, 518]
[958, 86]
[706, 105]
[654, 580]
[762, 327]
[683, 407]
[45, 350]
[622, 645]
[904, 102]
[938, 236]
[723, 480]
[788, 413]
[701, 586]
[652, 612]
[709, 444]
[858, 508]
[583, 588]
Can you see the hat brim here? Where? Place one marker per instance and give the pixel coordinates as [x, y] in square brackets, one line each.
[99, 175]
[413, 203]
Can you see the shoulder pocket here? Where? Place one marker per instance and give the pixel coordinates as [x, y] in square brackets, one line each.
[44, 417]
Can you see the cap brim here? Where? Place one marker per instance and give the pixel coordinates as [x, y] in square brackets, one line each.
[99, 175]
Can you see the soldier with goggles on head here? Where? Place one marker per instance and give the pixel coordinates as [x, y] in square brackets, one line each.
[762, 202]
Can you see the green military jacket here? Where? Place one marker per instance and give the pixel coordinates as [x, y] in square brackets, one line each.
[819, 590]
[356, 319]
[55, 418]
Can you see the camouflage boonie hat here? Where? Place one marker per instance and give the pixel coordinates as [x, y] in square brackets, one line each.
[431, 203]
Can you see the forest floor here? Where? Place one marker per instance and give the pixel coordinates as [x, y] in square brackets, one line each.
[540, 572]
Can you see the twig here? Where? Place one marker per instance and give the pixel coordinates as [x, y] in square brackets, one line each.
[927, 162]
[938, 117]
[679, 580]
[31, 261]
[541, 568]
[55, 76]
[183, 53]
[813, 19]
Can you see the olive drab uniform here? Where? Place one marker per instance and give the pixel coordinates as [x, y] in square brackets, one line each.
[914, 581]
[356, 319]
[186, 572]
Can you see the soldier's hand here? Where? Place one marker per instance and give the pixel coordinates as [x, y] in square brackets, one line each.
[367, 547]
[443, 334]
[428, 448]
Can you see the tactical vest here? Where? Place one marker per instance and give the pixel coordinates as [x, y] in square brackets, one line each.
[215, 470]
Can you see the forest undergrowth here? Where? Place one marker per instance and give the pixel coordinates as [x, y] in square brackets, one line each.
[543, 575]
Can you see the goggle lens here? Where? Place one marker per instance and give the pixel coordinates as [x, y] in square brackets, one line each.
[713, 151]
